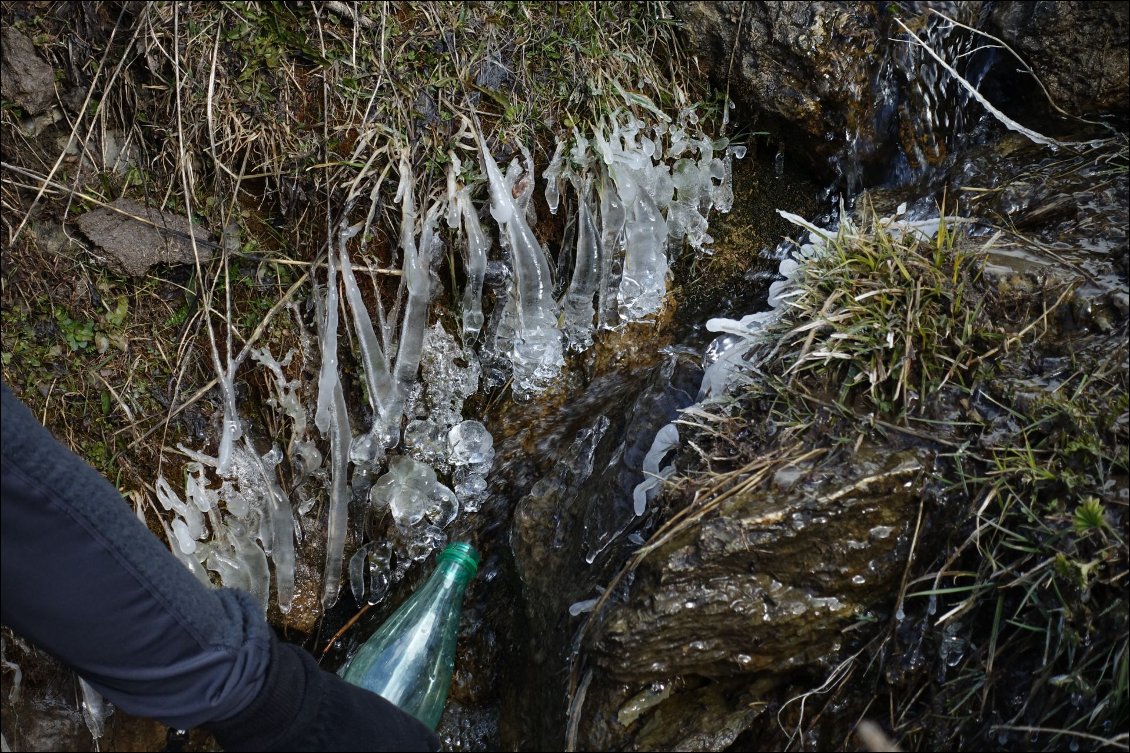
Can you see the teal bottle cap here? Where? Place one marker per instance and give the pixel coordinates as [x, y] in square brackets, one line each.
[462, 554]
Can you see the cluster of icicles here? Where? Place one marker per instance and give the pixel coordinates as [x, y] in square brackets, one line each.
[639, 191]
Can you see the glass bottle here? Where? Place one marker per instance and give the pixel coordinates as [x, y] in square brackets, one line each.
[410, 658]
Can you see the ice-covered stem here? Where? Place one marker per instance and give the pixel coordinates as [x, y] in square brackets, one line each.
[377, 377]
[461, 214]
[644, 282]
[537, 353]
[340, 437]
[478, 245]
[232, 430]
[328, 378]
[611, 251]
[553, 178]
[417, 278]
[579, 309]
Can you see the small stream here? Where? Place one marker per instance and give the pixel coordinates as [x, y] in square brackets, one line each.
[560, 515]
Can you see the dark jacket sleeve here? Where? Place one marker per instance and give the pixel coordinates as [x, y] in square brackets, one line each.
[85, 580]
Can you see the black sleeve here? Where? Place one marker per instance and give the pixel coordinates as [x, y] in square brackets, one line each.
[85, 580]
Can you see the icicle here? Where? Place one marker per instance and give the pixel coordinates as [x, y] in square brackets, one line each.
[553, 178]
[644, 281]
[478, 245]
[232, 429]
[279, 543]
[611, 251]
[357, 567]
[536, 354]
[193, 520]
[253, 559]
[328, 379]
[666, 439]
[579, 309]
[339, 496]
[377, 376]
[418, 281]
[95, 709]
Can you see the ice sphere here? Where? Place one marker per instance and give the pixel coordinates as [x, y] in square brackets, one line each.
[470, 443]
[443, 507]
[422, 544]
[471, 491]
[411, 491]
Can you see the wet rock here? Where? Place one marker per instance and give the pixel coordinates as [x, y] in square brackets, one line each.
[24, 78]
[1078, 50]
[136, 237]
[853, 100]
[762, 586]
[809, 64]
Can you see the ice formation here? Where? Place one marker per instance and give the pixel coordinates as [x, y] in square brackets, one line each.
[411, 491]
[95, 709]
[536, 353]
[634, 191]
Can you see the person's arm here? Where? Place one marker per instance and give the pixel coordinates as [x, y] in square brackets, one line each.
[85, 580]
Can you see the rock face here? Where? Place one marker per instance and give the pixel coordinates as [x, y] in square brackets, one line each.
[764, 585]
[808, 64]
[1079, 50]
[852, 99]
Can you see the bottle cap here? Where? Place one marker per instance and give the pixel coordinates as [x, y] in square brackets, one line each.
[462, 554]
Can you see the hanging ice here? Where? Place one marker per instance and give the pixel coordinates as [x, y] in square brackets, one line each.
[612, 252]
[579, 311]
[666, 439]
[553, 177]
[536, 353]
[644, 281]
[377, 376]
[478, 245]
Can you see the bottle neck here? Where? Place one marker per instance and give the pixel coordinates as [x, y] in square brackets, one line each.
[452, 575]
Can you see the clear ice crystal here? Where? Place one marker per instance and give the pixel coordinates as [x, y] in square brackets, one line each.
[470, 443]
[537, 352]
[412, 492]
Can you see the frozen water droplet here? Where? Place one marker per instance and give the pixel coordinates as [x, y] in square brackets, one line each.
[581, 607]
[470, 443]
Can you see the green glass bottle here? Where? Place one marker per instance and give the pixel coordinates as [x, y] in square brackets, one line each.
[410, 658]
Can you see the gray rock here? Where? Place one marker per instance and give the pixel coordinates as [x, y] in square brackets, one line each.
[136, 237]
[24, 78]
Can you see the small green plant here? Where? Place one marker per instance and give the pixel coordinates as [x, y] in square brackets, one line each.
[78, 335]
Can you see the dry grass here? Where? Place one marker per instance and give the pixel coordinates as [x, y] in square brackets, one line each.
[272, 125]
